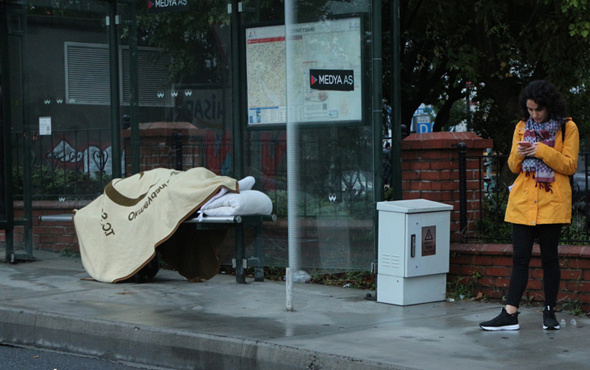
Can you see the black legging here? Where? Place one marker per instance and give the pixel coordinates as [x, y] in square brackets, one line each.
[523, 238]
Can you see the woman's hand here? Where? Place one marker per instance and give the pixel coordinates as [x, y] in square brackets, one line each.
[527, 151]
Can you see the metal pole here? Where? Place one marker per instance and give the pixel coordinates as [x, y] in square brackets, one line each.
[178, 150]
[293, 156]
[377, 99]
[112, 23]
[29, 131]
[468, 86]
[462, 190]
[133, 88]
[289, 282]
[237, 77]
[239, 253]
[8, 226]
[377, 117]
[396, 103]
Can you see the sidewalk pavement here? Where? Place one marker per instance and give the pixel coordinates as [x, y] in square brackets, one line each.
[219, 324]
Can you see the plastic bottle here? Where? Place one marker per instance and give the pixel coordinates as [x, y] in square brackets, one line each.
[574, 322]
[562, 323]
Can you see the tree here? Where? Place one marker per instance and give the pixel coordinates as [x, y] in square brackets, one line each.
[191, 38]
[499, 46]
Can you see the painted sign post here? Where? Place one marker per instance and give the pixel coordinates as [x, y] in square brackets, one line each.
[422, 124]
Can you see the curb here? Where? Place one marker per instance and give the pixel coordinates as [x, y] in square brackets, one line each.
[177, 349]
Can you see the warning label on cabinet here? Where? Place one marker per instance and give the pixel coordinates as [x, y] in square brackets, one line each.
[428, 240]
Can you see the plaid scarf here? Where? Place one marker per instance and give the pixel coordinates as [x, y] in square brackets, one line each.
[544, 133]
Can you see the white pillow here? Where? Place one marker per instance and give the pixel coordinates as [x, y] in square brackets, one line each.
[246, 183]
[247, 202]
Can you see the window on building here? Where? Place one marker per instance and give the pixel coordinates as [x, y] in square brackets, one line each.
[88, 81]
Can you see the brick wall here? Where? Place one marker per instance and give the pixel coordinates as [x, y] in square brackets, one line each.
[430, 171]
[157, 149]
[485, 269]
[53, 236]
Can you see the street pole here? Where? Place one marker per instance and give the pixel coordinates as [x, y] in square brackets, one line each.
[293, 158]
[113, 27]
[396, 103]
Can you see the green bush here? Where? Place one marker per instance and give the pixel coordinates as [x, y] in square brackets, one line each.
[50, 183]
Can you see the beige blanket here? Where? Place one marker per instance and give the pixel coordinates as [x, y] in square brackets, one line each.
[119, 231]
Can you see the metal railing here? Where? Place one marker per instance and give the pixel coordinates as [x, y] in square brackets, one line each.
[494, 180]
[336, 189]
[77, 165]
[73, 164]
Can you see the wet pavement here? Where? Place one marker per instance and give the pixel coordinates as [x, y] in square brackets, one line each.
[219, 324]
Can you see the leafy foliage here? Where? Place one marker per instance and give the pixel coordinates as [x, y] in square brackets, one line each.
[578, 9]
[191, 38]
[51, 183]
[352, 279]
[491, 226]
[462, 287]
[499, 46]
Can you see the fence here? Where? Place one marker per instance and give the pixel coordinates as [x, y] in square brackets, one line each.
[494, 181]
[73, 164]
[77, 164]
[337, 186]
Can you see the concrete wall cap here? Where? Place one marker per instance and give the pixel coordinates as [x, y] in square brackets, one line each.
[445, 140]
[164, 129]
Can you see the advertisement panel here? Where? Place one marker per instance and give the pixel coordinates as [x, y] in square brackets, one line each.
[328, 86]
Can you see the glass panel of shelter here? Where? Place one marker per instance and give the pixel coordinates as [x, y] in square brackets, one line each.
[336, 200]
[188, 91]
[55, 139]
[61, 128]
[185, 62]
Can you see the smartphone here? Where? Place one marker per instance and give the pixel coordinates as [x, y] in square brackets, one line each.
[524, 143]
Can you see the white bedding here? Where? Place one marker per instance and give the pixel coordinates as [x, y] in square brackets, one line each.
[246, 202]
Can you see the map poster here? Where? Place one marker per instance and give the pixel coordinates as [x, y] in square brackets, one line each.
[328, 72]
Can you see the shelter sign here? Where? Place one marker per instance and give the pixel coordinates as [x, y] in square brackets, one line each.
[161, 6]
[331, 79]
[326, 83]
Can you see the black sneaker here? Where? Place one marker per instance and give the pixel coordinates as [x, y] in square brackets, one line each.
[549, 320]
[504, 321]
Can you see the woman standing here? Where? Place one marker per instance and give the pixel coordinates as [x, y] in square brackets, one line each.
[544, 153]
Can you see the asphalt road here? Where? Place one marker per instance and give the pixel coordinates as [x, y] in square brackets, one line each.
[18, 358]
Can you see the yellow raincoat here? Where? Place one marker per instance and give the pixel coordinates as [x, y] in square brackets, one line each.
[530, 204]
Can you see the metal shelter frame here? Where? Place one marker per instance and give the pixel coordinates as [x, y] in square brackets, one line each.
[13, 25]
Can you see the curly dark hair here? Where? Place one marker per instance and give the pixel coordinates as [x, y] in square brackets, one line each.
[545, 95]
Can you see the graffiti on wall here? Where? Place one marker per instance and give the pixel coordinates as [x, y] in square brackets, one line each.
[94, 159]
[204, 108]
